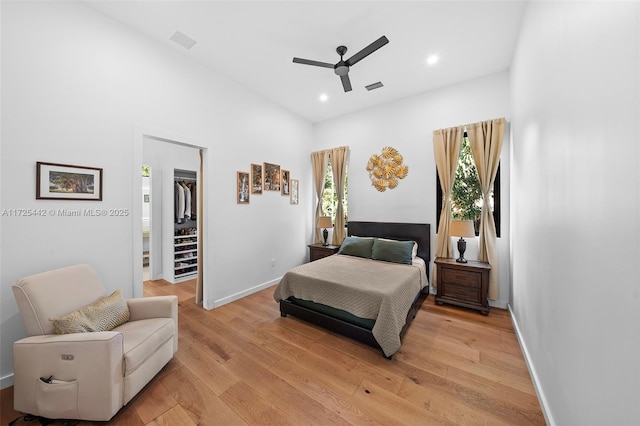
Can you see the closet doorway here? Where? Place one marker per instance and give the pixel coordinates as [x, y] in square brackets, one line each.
[165, 254]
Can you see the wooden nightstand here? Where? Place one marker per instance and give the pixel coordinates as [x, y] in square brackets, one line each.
[463, 284]
[318, 251]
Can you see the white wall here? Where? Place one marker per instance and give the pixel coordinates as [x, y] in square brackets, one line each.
[575, 208]
[408, 126]
[74, 86]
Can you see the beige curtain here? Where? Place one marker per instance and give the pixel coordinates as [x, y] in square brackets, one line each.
[446, 147]
[339, 166]
[200, 201]
[486, 143]
[319, 161]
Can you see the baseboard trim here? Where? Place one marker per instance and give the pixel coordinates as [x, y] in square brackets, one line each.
[6, 381]
[544, 405]
[240, 295]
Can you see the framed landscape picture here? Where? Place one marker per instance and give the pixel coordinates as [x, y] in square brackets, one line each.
[256, 178]
[285, 182]
[67, 182]
[295, 191]
[271, 177]
[242, 187]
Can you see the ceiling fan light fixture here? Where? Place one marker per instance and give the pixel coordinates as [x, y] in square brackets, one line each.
[341, 70]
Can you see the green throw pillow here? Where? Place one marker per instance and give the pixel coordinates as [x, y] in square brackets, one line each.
[356, 246]
[103, 315]
[393, 251]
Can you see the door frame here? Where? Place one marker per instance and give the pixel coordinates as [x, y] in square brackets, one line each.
[139, 134]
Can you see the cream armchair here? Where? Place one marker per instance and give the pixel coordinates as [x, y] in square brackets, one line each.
[86, 376]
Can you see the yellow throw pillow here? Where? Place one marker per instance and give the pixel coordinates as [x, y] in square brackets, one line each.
[103, 315]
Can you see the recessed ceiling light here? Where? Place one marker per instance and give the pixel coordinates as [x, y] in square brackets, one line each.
[432, 60]
[323, 97]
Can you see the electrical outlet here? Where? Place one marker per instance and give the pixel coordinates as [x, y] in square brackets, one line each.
[273, 263]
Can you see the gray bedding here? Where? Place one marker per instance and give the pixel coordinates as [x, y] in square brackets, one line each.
[372, 289]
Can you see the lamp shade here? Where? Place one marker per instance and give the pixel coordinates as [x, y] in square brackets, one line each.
[462, 228]
[324, 222]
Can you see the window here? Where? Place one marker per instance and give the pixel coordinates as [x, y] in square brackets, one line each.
[466, 196]
[330, 195]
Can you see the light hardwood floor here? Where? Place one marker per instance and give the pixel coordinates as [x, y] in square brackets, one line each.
[243, 364]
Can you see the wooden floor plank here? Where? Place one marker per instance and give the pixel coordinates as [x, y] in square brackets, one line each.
[391, 409]
[313, 385]
[253, 408]
[175, 416]
[299, 407]
[242, 363]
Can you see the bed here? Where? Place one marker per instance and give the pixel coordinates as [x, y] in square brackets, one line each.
[359, 296]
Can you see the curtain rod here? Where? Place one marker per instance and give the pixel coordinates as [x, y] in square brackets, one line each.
[331, 149]
[479, 123]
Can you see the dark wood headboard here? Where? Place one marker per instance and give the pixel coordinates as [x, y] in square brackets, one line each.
[418, 232]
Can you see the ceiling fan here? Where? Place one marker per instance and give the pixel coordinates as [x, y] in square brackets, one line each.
[342, 67]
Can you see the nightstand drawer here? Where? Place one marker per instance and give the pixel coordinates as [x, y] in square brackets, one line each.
[462, 293]
[467, 278]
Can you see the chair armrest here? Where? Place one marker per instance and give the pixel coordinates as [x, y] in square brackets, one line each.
[156, 307]
[153, 307]
[94, 360]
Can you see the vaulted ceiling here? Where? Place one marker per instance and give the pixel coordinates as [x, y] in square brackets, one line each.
[254, 43]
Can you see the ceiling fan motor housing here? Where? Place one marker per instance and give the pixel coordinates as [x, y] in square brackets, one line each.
[341, 68]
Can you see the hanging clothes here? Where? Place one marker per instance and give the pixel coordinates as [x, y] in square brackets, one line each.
[194, 204]
[187, 201]
[181, 206]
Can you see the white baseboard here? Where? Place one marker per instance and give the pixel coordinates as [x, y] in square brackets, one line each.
[498, 304]
[245, 293]
[6, 381]
[544, 405]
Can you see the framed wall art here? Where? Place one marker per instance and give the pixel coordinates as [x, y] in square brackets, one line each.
[285, 182]
[256, 178]
[271, 177]
[67, 182]
[295, 191]
[242, 192]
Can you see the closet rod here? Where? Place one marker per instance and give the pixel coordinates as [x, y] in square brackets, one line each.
[185, 178]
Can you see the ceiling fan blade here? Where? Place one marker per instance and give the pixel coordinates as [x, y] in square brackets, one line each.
[310, 62]
[367, 51]
[346, 83]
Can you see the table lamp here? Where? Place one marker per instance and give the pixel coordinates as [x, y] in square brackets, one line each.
[324, 222]
[462, 228]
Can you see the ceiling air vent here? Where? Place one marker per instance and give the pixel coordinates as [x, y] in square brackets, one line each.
[182, 39]
[374, 86]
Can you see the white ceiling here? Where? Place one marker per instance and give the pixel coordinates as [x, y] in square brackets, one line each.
[254, 43]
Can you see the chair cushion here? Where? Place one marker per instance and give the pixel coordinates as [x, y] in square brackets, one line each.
[142, 338]
[103, 315]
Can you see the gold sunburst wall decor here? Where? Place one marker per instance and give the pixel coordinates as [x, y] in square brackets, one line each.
[386, 169]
